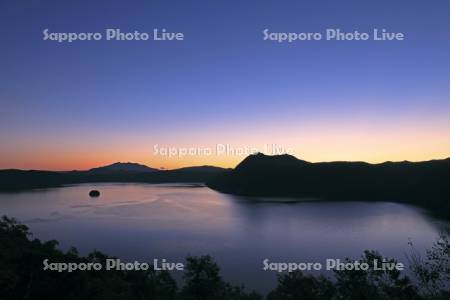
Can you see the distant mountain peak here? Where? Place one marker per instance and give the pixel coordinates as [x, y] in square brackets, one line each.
[260, 161]
[124, 167]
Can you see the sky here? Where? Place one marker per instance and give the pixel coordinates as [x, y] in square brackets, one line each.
[83, 104]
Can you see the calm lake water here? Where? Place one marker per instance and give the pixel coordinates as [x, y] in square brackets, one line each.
[143, 221]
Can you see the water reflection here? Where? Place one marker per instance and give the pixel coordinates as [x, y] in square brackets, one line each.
[142, 222]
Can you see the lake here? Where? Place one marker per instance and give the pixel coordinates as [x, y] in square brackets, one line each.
[146, 221]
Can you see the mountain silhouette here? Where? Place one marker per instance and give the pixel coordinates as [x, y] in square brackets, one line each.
[12, 180]
[258, 161]
[424, 183]
[123, 167]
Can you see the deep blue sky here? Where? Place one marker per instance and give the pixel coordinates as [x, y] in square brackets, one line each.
[223, 83]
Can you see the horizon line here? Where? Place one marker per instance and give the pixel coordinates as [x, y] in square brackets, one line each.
[209, 165]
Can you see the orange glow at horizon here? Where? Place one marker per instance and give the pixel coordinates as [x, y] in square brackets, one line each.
[315, 144]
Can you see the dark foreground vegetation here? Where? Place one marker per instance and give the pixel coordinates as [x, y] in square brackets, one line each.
[22, 277]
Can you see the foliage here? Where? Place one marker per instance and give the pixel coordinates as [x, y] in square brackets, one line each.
[433, 272]
[22, 277]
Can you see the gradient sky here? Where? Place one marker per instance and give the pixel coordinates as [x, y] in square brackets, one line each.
[80, 105]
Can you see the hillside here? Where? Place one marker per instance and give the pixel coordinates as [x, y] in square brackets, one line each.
[287, 176]
[11, 180]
